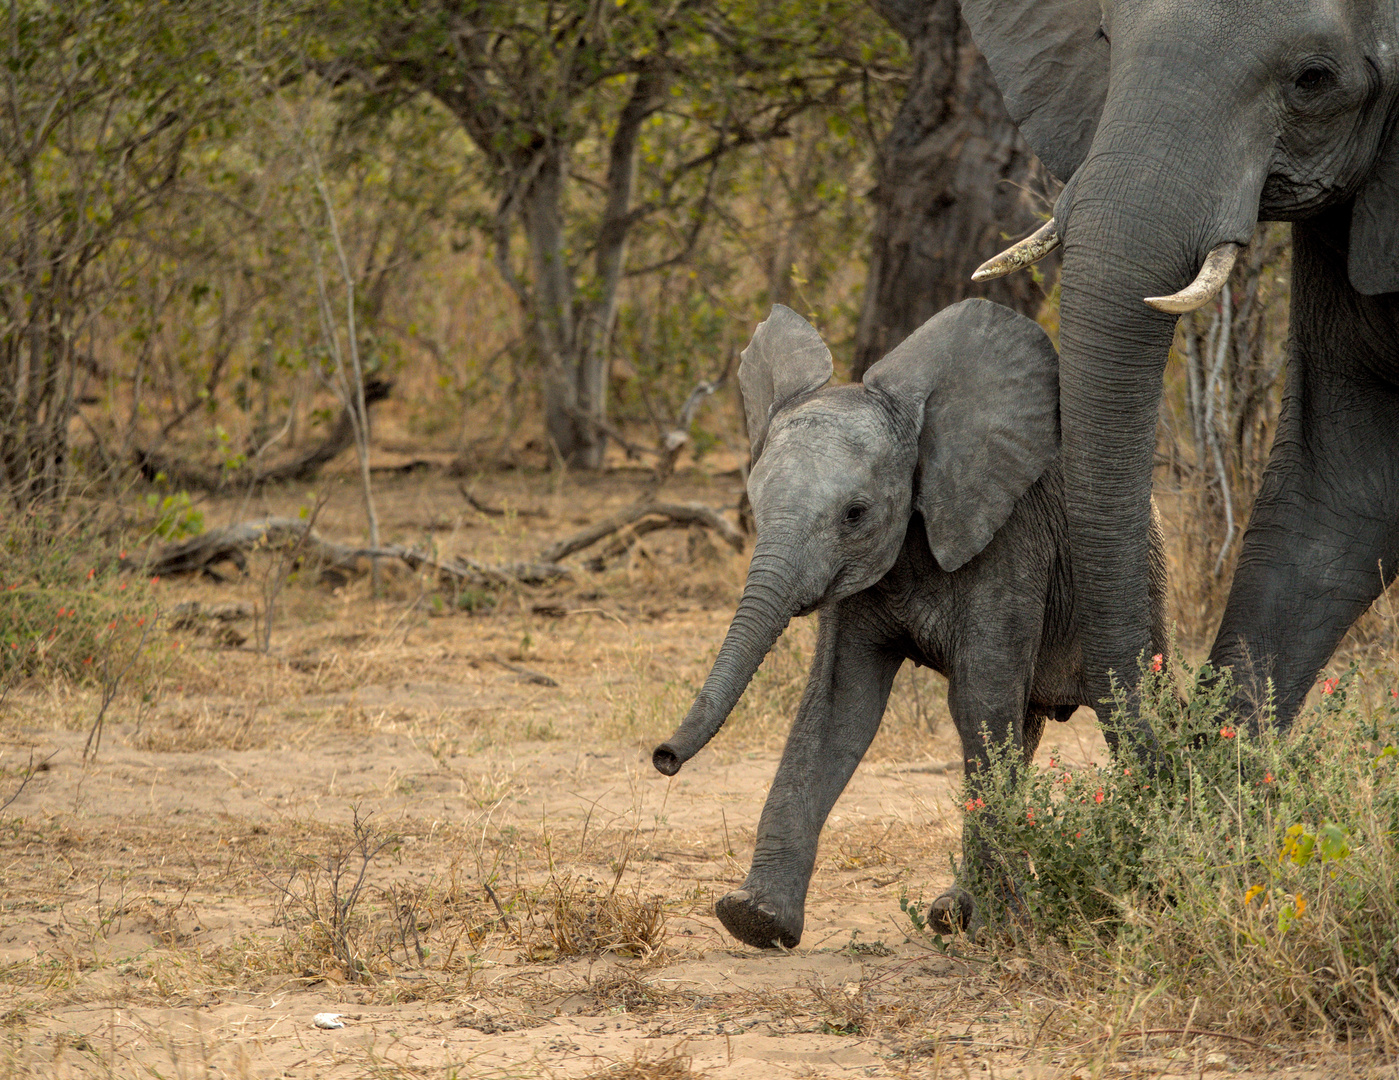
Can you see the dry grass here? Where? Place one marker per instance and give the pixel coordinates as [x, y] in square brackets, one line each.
[142, 900]
[573, 914]
[644, 1067]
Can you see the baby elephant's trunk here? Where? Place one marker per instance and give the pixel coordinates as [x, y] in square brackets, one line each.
[762, 615]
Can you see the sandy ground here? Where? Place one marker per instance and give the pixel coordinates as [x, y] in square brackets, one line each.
[524, 894]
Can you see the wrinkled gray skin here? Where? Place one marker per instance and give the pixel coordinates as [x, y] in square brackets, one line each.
[921, 513]
[1178, 124]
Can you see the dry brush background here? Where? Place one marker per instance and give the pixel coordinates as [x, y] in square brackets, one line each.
[388, 757]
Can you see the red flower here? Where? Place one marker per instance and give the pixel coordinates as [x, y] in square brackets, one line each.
[1267, 778]
[1328, 686]
[974, 804]
[1156, 662]
[1098, 797]
[1227, 733]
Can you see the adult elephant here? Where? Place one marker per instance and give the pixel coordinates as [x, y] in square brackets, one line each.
[1177, 126]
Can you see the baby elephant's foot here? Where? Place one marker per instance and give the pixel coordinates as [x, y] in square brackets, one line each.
[757, 922]
[951, 912]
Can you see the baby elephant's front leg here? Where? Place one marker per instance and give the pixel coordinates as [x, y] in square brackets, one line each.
[839, 715]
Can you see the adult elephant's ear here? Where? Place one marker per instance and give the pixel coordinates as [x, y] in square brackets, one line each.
[1052, 67]
[987, 380]
[785, 359]
[1374, 224]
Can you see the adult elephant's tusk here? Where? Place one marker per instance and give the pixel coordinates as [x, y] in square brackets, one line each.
[1206, 285]
[1018, 256]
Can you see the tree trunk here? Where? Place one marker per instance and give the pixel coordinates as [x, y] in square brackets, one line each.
[576, 441]
[37, 384]
[956, 184]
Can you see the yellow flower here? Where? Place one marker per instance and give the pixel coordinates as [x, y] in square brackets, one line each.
[1252, 892]
[1301, 903]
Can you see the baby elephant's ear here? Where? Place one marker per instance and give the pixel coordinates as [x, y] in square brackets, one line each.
[987, 382]
[786, 358]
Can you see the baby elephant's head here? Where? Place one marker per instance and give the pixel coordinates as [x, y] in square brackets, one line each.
[955, 424]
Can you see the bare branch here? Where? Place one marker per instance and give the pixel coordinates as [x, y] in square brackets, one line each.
[676, 513]
[26, 776]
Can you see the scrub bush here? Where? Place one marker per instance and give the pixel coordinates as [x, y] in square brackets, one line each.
[1257, 873]
[68, 609]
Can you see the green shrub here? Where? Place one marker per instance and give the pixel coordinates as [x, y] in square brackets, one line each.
[68, 610]
[1253, 872]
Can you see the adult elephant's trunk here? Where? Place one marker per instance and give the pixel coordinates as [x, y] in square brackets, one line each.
[763, 613]
[1158, 191]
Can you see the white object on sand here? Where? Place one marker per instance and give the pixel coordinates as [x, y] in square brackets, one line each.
[328, 1020]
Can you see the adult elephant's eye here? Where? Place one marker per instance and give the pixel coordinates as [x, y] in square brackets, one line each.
[854, 514]
[1102, 34]
[1314, 78]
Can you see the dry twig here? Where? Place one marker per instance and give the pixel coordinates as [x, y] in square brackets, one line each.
[528, 674]
[495, 511]
[27, 775]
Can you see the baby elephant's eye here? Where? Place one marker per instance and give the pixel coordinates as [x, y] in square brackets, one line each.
[853, 514]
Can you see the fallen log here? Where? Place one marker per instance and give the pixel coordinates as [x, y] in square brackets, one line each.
[669, 515]
[232, 543]
[184, 474]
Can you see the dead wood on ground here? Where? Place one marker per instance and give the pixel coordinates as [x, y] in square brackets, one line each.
[496, 511]
[231, 544]
[529, 675]
[184, 474]
[661, 515]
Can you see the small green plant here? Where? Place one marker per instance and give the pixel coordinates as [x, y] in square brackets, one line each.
[173, 516]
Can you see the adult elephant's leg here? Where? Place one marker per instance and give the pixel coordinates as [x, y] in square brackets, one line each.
[1323, 540]
[840, 712]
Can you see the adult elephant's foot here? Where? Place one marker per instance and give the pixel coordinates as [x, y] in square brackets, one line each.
[758, 922]
[952, 912]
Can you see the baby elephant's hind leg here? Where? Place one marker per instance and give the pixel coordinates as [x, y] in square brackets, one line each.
[955, 909]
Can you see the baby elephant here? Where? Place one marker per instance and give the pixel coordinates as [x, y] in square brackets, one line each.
[921, 512]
